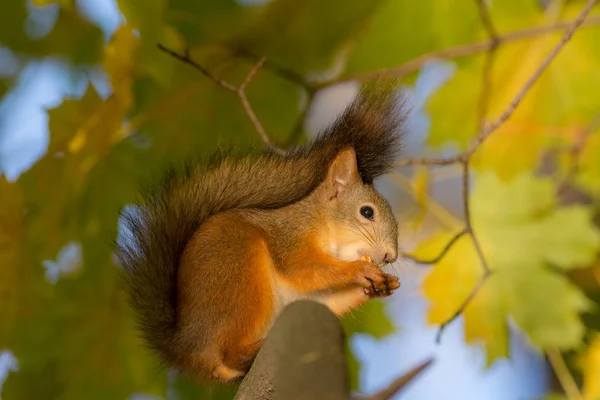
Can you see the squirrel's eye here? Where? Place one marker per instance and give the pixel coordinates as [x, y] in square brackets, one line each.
[367, 212]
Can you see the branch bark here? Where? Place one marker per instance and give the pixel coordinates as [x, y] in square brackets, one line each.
[303, 357]
[459, 51]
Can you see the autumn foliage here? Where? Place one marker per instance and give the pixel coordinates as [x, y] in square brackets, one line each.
[520, 251]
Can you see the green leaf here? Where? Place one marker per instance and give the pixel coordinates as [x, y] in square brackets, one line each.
[391, 36]
[371, 319]
[522, 232]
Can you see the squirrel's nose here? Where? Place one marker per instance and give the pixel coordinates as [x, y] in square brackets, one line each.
[391, 256]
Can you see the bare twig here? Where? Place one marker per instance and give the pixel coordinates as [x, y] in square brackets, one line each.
[459, 51]
[186, 59]
[469, 228]
[532, 80]
[401, 382]
[489, 129]
[445, 250]
[486, 90]
[285, 73]
[487, 23]
[251, 74]
[463, 305]
[575, 152]
[468, 221]
[480, 138]
[239, 90]
[437, 161]
[564, 376]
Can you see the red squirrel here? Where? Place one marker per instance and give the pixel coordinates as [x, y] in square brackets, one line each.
[217, 250]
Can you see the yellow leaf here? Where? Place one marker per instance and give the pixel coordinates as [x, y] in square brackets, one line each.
[521, 232]
[77, 142]
[535, 126]
[590, 365]
[420, 187]
[421, 182]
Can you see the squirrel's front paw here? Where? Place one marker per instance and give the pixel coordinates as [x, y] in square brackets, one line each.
[392, 283]
[371, 277]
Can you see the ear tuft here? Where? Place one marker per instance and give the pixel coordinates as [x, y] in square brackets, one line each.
[343, 171]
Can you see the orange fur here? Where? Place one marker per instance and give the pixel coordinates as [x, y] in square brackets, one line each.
[242, 273]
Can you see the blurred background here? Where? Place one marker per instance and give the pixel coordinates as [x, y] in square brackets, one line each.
[90, 108]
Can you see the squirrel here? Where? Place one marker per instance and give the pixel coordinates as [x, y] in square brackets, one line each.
[215, 251]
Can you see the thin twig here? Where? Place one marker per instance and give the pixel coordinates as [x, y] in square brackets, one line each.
[464, 305]
[465, 156]
[486, 90]
[400, 382]
[469, 228]
[532, 80]
[575, 152]
[458, 51]
[468, 221]
[287, 74]
[254, 119]
[437, 161]
[239, 90]
[186, 59]
[487, 22]
[442, 253]
[482, 136]
[251, 74]
[564, 376]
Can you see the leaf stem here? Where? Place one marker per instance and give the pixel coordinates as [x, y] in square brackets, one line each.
[564, 376]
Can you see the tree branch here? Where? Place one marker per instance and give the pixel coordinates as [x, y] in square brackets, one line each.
[463, 305]
[486, 131]
[303, 357]
[487, 23]
[458, 51]
[186, 59]
[445, 250]
[486, 90]
[489, 129]
[469, 228]
[398, 384]
[468, 221]
[240, 91]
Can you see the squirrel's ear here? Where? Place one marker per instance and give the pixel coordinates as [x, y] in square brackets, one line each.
[343, 171]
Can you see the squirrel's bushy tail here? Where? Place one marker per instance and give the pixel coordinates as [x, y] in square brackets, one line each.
[160, 227]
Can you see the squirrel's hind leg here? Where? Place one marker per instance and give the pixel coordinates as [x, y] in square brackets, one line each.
[227, 295]
[236, 362]
[225, 374]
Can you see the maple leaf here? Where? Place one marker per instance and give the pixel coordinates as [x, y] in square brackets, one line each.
[526, 238]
